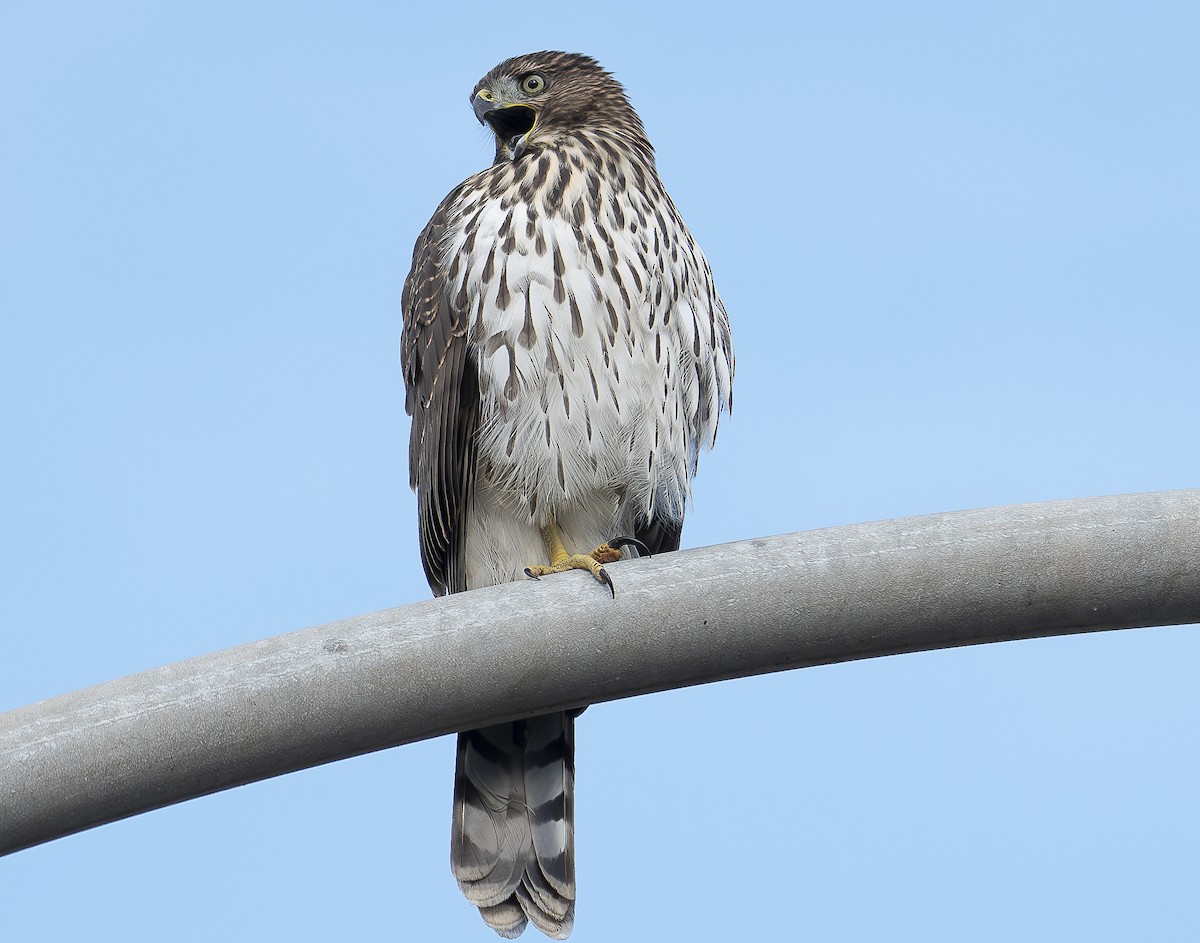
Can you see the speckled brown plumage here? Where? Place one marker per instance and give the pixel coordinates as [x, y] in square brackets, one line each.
[566, 357]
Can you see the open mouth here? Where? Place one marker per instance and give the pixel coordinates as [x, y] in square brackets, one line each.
[511, 123]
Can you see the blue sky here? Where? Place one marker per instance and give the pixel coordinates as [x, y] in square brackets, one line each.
[959, 244]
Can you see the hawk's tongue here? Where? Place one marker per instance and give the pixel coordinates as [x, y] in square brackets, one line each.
[516, 145]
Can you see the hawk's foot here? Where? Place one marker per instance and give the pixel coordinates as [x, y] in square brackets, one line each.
[593, 562]
[619, 542]
[607, 553]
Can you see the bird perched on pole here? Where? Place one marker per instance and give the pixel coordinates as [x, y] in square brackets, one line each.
[566, 357]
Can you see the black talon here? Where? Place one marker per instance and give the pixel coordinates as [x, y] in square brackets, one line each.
[529, 573]
[607, 580]
[619, 542]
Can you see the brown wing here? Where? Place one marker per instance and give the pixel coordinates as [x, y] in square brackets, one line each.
[442, 382]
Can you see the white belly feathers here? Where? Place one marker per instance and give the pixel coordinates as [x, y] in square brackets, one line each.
[602, 346]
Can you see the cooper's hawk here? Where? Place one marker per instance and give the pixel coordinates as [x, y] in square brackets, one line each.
[566, 357]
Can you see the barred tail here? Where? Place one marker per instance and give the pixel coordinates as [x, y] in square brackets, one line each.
[513, 843]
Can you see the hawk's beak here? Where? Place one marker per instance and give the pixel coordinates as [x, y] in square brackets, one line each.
[483, 103]
[511, 122]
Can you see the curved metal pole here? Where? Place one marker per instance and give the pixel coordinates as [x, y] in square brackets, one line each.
[745, 608]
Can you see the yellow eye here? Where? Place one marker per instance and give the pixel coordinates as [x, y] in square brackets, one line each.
[532, 84]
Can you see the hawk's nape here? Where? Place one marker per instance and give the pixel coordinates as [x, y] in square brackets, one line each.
[566, 357]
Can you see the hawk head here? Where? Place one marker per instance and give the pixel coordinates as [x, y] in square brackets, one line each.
[532, 100]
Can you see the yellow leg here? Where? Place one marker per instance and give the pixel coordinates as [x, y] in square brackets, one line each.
[561, 560]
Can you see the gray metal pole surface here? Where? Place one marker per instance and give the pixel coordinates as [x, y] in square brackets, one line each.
[769, 604]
